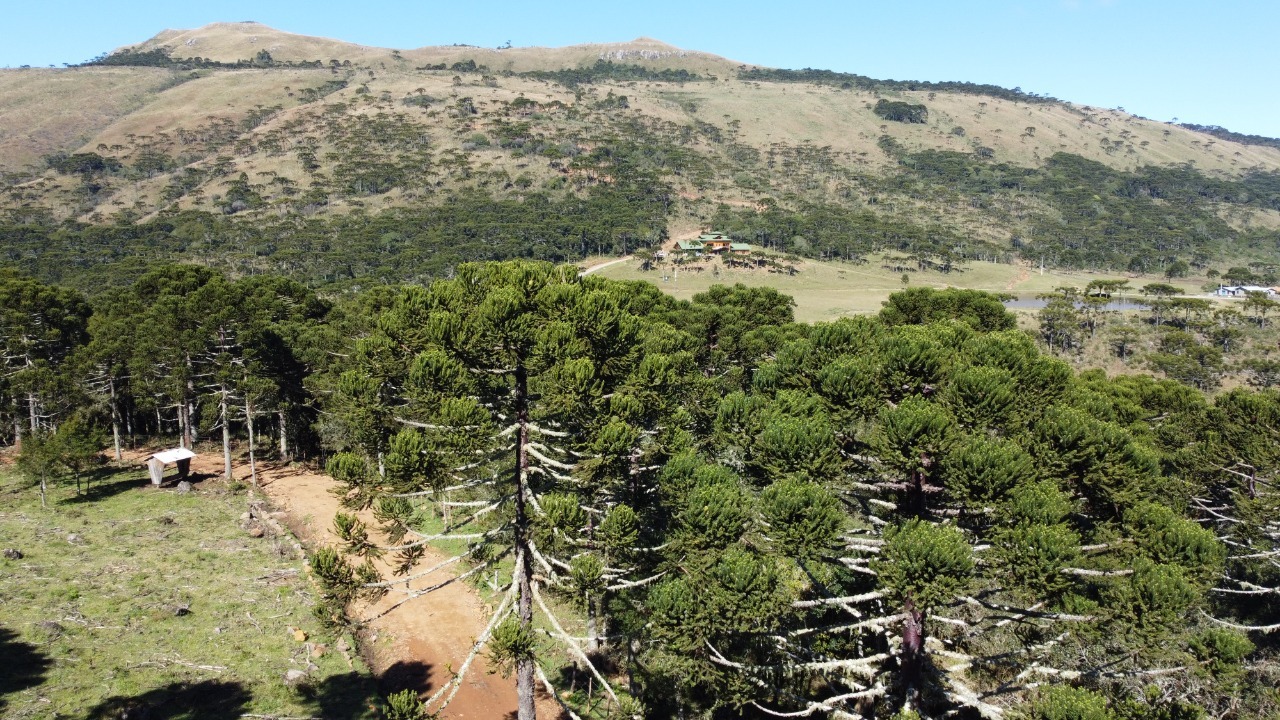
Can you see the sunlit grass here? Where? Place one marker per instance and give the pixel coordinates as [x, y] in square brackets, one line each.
[160, 599]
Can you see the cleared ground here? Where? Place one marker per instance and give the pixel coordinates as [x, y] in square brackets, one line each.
[134, 601]
[828, 290]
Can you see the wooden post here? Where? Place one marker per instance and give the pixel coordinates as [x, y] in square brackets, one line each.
[156, 469]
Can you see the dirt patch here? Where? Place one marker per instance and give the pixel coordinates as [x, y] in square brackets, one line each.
[418, 644]
[1023, 275]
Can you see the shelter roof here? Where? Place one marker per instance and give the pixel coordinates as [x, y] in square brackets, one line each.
[174, 455]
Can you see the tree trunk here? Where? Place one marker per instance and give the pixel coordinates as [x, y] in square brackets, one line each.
[248, 417]
[115, 420]
[600, 636]
[284, 437]
[17, 432]
[226, 432]
[632, 647]
[912, 660]
[188, 406]
[593, 641]
[192, 428]
[524, 597]
[31, 409]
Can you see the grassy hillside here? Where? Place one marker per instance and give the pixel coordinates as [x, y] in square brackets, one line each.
[44, 111]
[115, 609]
[825, 291]
[229, 42]
[281, 131]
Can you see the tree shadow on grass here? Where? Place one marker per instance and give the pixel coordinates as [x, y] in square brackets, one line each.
[351, 695]
[406, 675]
[105, 482]
[359, 695]
[23, 665]
[206, 700]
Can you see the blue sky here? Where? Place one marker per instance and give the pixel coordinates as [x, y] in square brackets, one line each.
[1209, 63]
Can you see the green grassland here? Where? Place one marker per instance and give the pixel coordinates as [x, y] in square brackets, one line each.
[134, 597]
[340, 166]
[830, 290]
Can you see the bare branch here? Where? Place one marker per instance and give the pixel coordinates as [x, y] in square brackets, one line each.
[838, 601]
[568, 640]
[1247, 628]
[503, 609]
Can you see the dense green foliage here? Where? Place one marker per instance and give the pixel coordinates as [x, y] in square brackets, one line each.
[833, 231]
[917, 511]
[851, 81]
[397, 245]
[833, 502]
[608, 71]
[901, 111]
[1141, 220]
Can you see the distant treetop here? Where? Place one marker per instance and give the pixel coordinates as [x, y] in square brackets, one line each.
[851, 81]
[1220, 132]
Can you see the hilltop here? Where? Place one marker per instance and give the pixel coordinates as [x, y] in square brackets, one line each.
[244, 122]
[229, 42]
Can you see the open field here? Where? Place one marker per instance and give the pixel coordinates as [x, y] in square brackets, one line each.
[135, 597]
[43, 111]
[748, 140]
[829, 290]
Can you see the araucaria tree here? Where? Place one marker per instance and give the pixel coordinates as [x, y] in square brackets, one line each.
[41, 326]
[930, 519]
[516, 399]
[917, 513]
[705, 510]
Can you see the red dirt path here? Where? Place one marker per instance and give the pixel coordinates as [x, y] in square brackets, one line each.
[419, 643]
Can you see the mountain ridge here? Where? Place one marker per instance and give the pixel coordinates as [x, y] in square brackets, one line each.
[274, 128]
[232, 41]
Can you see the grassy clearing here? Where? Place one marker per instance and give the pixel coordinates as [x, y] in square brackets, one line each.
[829, 290]
[47, 110]
[138, 597]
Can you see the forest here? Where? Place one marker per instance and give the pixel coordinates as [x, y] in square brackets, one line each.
[555, 165]
[914, 514]
[1152, 219]
[849, 81]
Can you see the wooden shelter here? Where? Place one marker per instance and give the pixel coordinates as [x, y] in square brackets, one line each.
[179, 457]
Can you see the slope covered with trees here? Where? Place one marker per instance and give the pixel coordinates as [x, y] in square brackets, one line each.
[703, 509]
[424, 159]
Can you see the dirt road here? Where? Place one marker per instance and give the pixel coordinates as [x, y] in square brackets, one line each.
[604, 265]
[420, 643]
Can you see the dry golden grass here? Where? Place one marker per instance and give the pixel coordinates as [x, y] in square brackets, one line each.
[843, 120]
[227, 94]
[43, 111]
[80, 109]
[826, 291]
[1250, 218]
[229, 42]
[232, 41]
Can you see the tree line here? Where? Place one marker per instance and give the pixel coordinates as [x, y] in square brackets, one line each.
[850, 81]
[181, 353]
[704, 509]
[1142, 220]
